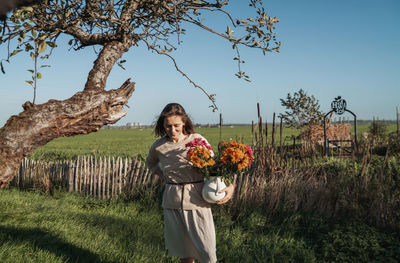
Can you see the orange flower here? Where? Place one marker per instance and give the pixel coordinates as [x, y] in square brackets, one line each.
[200, 156]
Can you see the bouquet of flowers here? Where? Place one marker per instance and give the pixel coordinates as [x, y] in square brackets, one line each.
[232, 158]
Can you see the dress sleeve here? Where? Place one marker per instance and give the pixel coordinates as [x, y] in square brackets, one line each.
[152, 158]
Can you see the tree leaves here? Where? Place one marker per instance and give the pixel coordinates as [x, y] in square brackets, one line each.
[301, 109]
[42, 46]
[229, 31]
[15, 52]
[153, 22]
[52, 44]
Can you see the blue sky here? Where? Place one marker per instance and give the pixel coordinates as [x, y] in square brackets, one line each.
[329, 48]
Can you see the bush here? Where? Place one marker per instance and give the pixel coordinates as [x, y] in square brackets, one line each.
[357, 242]
[378, 130]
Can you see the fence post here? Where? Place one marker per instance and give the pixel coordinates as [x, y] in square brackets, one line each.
[84, 175]
[397, 117]
[108, 178]
[120, 176]
[95, 177]
[260, 124]
[104, 178]
[91, 177]
[99, 178]
[273, 130]
[220, 126]
[252, 133]
[125, 172]
[280, 141]
[70, 176]
[137, 172]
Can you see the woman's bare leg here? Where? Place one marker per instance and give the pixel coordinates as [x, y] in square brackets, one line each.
[187, 260]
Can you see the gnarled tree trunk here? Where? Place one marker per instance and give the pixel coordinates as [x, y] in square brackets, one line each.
[84, 112]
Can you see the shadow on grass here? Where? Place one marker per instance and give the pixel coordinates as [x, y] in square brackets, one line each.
[45, 241]
[144, 233]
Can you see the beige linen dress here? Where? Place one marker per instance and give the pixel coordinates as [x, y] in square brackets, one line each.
[188, 222]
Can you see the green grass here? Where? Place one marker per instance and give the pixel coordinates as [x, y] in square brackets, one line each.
[70, 228]
[133, 142]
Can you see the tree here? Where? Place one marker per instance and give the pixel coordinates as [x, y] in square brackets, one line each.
[301, 109]
[7, 5]
[116, 26]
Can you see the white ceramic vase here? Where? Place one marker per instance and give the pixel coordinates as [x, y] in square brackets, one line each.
[211, 188]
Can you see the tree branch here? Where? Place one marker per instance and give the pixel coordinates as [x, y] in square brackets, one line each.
[210, 96]
[83, 113]
[107, 58]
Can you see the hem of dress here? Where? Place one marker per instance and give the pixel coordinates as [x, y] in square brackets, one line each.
[187, 208]
[188, 256]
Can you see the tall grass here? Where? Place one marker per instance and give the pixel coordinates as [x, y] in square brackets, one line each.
[364, 186]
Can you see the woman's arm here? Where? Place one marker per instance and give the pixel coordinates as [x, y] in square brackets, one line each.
[152, 161]
[158, 171]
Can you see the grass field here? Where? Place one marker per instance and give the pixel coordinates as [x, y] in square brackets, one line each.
[66, 227]
[130, 142]
[70, 228]
[133, 142]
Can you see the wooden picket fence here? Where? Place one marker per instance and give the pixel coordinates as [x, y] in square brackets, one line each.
[102, 178]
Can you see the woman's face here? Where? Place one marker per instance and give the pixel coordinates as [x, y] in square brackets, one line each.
[173, 126]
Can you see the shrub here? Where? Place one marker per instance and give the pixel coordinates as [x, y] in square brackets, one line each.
[357, 242]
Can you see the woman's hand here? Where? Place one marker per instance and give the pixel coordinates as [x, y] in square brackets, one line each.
[229, 190]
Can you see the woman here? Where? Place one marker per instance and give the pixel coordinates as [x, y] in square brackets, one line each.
[188, 222]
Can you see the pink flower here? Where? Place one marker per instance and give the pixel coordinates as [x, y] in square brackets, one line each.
[198, 142]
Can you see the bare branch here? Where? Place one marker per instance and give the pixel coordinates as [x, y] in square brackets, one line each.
[210, 96]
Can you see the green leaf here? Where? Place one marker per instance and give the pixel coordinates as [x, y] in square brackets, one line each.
[42, 46]
[45, 66]
[51, 44]
[229, 31]
[31, 70]
[27, 8]
[39, 76]
[15, 52]
[28, 47]
[43, 37]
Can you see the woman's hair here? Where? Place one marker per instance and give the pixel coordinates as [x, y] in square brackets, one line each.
[170, 110]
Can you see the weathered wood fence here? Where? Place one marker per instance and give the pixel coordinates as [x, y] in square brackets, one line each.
[101, 178]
